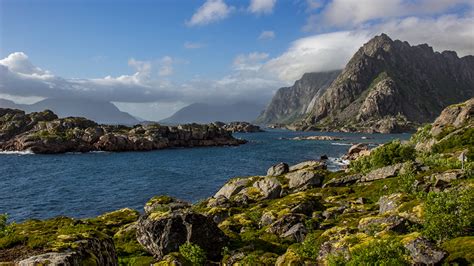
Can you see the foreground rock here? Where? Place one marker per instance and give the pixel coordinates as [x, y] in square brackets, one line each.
[170, 224]
[356, 151]
[44, 133]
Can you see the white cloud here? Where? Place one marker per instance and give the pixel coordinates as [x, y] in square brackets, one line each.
[261, 6]
[193, 45]
[251, 61]
[211, 11]
[352, 12]
[267, 35]
[166, 68]
[313, 4]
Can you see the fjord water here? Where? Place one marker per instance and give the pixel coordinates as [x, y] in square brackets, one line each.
[89, 184]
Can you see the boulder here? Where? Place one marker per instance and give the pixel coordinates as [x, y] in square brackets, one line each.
[296, 233]
[314, 165]
[270, 187]
[165, 232]
[356, 150]
[88, 252]
[285, 223]
[375, 224]
[303, 179]
[343, 181]
[390, 202]
[382, 173]
[424, 252]
[278, 169]
[232, 187]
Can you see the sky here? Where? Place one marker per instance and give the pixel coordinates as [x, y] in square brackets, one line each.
[151, 58]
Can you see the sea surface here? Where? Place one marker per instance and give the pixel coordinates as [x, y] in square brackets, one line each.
[89, 184]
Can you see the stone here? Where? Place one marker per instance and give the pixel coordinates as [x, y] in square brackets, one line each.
[424, 252]
[356, 150]
[270, 187]
[232, 187]
[266, 219]
[296, 233]
[278, 169]
[371, 225]
[382, 173]
[313, 165]
[88, 252]
[165, 233]
[343, 181]
[285, 223]
[303, 179]
[390, 203]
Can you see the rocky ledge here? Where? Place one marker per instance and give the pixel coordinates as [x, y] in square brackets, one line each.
[240, 127]
[318, 138]
[397, 205]
[44, 132]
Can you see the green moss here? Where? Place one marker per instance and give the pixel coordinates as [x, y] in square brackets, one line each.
[460, 250]
[193, 253]
[379, 252]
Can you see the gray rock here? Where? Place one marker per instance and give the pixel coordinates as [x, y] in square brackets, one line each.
[99, 252]
[284, 224]
[382, 173]
[313, 165]
[278, 169]
[343, 181]
[424, 252]
[297, 233]
[270, 187]
[370, 225]
[266, 219]
[232, 187]
[390, 202]
[303, 179]
[165, 233]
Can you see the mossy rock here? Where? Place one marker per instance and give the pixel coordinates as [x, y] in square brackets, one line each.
[460, 250]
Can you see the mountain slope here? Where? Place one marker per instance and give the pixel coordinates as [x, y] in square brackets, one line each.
[291, 103]
[99, 111]
[391, 86]
[207, 113]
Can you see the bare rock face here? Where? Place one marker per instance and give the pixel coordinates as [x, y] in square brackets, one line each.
[241, 127]
[291, 103]
[391, 86]
[454, 116]
[270, 187]
[382, 173]
[303, 179]
[232, 187]
[165, 227]
[278, 169]
[89, 252]
[43, 132]
[424, 252]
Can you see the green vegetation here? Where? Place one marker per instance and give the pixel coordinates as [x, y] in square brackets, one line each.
[456, 142]
[387, 154]
[193, 253]
[379, 252]
[449, 214]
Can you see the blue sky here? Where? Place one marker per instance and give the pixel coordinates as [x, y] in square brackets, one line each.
[153, 57]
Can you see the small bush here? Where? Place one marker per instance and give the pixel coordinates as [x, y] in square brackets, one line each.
[309, 248]
[378, 252]
[406, 183]
[449, 214]
[388, 154]
[5, 228]
[193, 253]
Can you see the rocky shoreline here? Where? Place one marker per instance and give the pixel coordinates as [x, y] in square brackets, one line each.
[399, 204]
[44, 132]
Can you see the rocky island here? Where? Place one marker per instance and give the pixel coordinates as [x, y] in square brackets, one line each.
[401, 204]
[44, 132]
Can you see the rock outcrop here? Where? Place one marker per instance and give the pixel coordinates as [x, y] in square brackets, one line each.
[44, 132]
[239, 127]
[390, 86]
[291, 103]
[167, 226]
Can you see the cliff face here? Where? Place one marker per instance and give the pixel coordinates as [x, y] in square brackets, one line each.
[291, 103]
[391, 86]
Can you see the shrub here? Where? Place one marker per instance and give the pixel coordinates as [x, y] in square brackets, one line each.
[448, 214]
[309, 248]
[5, 228]
[406, 183]
[390, 153]
[378, 252]
[193, 253]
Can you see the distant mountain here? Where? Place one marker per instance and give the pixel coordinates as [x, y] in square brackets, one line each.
[391, 86]
[207, 113]
[99, 111]
[291, 103]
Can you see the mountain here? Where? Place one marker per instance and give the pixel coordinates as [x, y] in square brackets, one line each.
[391, 86]
[102, 112]
[291, 103]
[207, 113]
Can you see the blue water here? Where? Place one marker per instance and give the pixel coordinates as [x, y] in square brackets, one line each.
[89, 184]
